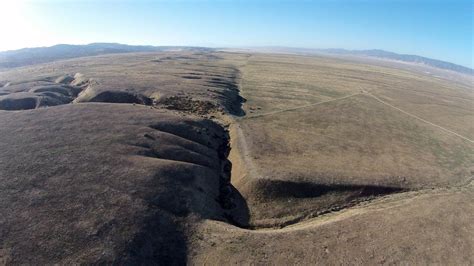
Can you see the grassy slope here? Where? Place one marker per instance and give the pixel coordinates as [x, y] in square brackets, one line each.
[293, 166]
[202, 76]
[428, 227]
[350, 139]
[109, 182]
[104, 183]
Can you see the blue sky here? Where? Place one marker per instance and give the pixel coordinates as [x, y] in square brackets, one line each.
[436, 29]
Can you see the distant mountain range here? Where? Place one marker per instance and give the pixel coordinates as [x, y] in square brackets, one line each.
[30, 56]
[402, 57]
[374, 53]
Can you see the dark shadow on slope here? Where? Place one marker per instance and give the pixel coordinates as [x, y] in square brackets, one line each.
[32, 94]
[20, 103]
[229, 93]
[191, 77]
[196, 138]
[161, 242]
[279, 203]
[292, 189]
[193, 131]
[239, 214]
[227, 90]
[121, 97]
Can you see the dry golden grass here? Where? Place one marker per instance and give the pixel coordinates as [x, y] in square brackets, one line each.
[314, 121]
[432, 227]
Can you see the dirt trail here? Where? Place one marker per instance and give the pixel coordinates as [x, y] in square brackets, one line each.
[419, 118]
[355, 94]
[245, 172]
[240, 147]
[299, 107]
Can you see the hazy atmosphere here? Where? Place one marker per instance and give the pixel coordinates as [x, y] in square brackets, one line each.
[436, 29]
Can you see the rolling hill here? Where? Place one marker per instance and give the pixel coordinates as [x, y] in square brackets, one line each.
[30, 56]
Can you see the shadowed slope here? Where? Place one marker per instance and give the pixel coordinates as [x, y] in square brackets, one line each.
[41, 92]
[76, 188]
